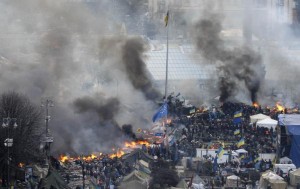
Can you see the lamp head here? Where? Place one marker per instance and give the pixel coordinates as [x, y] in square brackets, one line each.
[15, 125]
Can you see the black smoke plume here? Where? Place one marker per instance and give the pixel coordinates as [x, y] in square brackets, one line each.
[132, 55]
[234, 65]
[127, 130]
[106, 109]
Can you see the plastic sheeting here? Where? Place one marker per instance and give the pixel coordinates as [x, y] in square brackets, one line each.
[295, 148]
[292, 123]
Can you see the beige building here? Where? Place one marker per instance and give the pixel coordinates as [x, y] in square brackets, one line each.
[253, 17]
[280, 10]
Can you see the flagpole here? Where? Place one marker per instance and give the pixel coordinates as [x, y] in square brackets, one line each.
[166, 81]
[167, 61]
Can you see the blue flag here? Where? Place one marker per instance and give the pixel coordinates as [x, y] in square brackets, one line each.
[163, 111]
[237, 117]
[237, 120]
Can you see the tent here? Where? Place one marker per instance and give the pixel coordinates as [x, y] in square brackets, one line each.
[135, 180]
[268, 123]
[198, 186]
[197, 179]
[53, 181]
[285, 160]
[295, 177]
[285, 168]
[272, 179]
[198, 182]
[241, 151]
[39, 171]
[277, 184]
[292, 124]
[233, 181]
[258, 117]
[134, 184]
[182, 184]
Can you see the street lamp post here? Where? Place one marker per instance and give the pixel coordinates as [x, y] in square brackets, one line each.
[83, 166]
[7, 123]
[48, 138]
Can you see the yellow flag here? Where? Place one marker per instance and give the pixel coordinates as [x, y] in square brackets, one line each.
[167, 19]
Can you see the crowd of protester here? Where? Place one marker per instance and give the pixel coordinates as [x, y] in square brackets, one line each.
[208, 129]
[104, 172]
[216, 125]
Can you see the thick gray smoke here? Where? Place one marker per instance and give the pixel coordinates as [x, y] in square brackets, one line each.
[61, 49]
[235, 65]
[136, 68]
[106, 109]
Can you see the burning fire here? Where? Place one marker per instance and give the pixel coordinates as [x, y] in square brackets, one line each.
[255, 104]
[116, 153]
[21, 165]
[279, 107]
[89, 158]
[169, 121]
[135, 144]
[64, 158]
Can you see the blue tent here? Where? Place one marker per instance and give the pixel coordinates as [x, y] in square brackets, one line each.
[292, 124]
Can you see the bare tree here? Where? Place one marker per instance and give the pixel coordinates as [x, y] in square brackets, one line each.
[27, 135]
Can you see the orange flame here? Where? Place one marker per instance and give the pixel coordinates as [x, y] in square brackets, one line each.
[279, 107]
[169, 121]
[115, 152]
[21, 165]
[118, 154]
[255, 104]
[89, 158]
[143, 142]
[135, 144]
[63, 158]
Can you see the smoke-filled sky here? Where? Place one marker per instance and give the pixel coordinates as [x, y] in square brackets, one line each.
[234, 65]
[77, 55]
[253, 66]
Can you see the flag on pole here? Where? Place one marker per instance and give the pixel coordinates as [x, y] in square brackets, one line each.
[167, 19]
[241, 142]
[162, 111]
[220, 152]
[237, 117]
[237, 120]
[236, 132]
[238, 114]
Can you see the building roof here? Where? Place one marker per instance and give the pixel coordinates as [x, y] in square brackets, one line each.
[183, 63]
